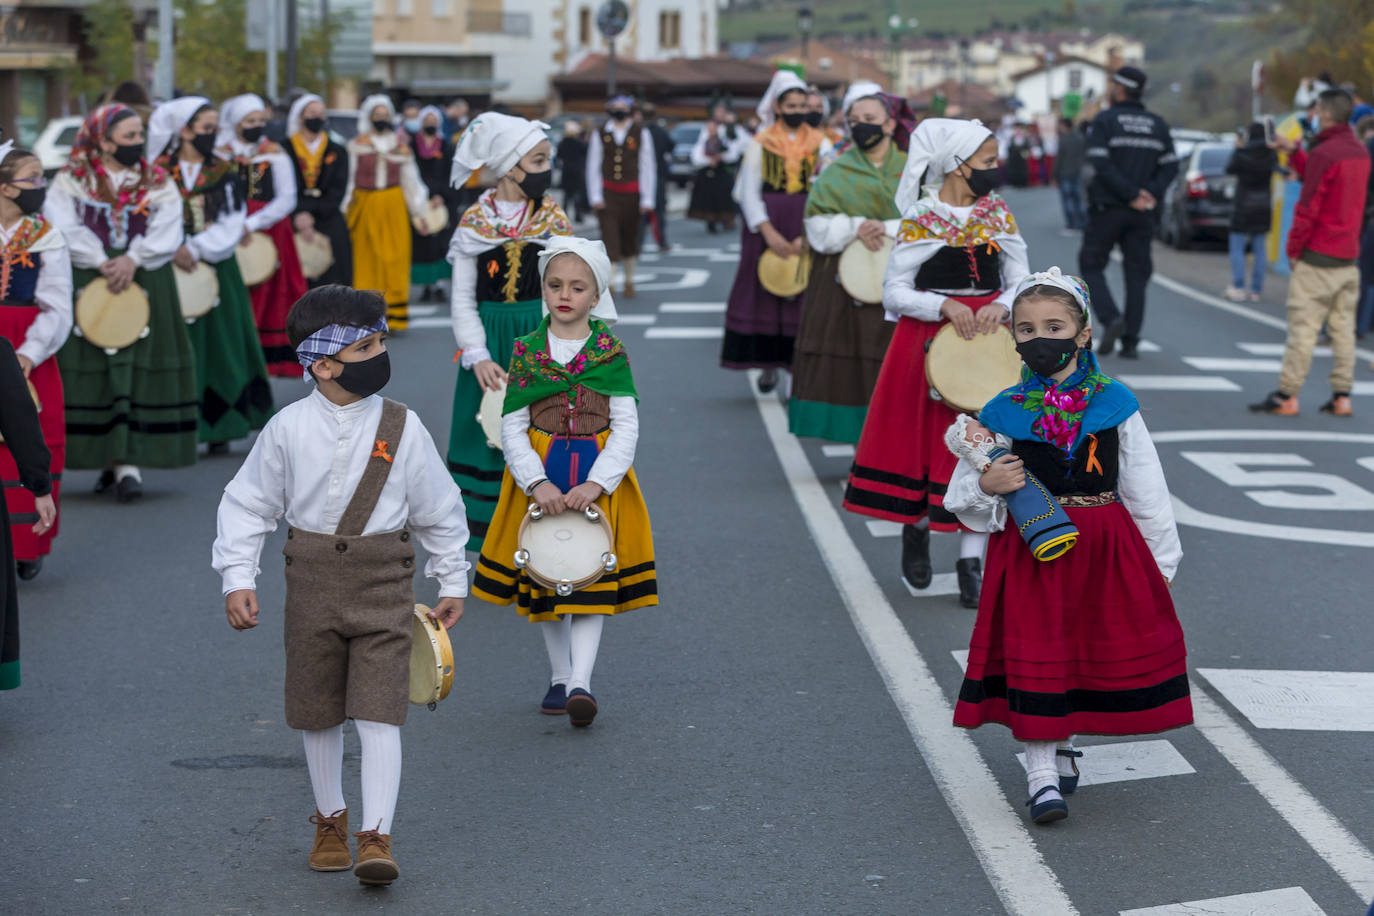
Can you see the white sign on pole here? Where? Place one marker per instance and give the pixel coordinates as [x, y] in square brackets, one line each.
[258, 25]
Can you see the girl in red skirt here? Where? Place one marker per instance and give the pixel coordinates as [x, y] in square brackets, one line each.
[957, 259]
[269, 183]
[1087, 642]
[36, 317]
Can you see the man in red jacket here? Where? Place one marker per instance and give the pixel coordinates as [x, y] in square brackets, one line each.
[1323, 250]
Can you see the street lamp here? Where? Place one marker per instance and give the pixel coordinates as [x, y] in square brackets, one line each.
[804, 26]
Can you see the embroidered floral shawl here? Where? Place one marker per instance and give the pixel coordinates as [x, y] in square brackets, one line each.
[1061, 413]
[602, 365]
[88, 171]
[482, 218]
[989, 219]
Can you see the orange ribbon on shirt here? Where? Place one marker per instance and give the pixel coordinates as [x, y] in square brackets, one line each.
[380, 452]
[1093, 463]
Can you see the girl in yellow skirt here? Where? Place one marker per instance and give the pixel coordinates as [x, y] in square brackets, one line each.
[569, 432]
[384, 194]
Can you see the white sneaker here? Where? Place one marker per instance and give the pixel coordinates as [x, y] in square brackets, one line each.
[1233, 294]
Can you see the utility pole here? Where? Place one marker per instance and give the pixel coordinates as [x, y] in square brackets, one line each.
[292, 44]
[273, 41]
[164, 77]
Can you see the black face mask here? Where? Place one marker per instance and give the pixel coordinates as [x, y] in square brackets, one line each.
[618, 115]
[366, 377]
[204, 144]
[814, 118]
[1047, 355]
[30, 200]
[128, 155]
[314, 125]
[983, 182]
[253, 134]
[794, 119]
[381, 127]
[866, 136]
[536, 184]
[431, 129]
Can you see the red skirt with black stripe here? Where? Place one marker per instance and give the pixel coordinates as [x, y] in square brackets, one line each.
[273, 298]
[902, 466]
[1085, 644]
[47, 381]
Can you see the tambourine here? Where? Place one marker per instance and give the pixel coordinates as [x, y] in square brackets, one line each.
[431, 660]
[316, 255]
[966, 374]
[33, 393]
[565, 552]
[197, 290]
[433, 220]
[784, 277]
[489, 415]
[112, 321]
[861, 271]
[257, 259]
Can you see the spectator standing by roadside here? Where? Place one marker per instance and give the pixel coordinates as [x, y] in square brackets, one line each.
[1364, 318]
[1253, 163]
[1068, 174]
[1323, 248]
[663, 149]
[1132, 155]
[572, 160]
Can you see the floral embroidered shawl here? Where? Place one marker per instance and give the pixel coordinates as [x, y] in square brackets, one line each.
[602, 365]
[1060, 413]
[86, 168]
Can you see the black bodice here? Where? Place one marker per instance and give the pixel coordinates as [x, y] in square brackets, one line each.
[1091, 470]
[979, 267]
[509, 272]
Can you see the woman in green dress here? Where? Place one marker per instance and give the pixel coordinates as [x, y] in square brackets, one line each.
[231, 373]
[496, 293]
[121, 215]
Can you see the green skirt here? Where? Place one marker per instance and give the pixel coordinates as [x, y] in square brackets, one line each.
[430, 273]
[138, 405]
[231, 374]
[477, 467]
[832, 422]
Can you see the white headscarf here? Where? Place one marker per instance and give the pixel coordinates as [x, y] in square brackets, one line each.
[293, 120]
[365, 112]
[938, 145]
[234, 111]
[783, 81]
[494, 141]
[167, 121]
[593, 254]
[432, 110]
[863, 89]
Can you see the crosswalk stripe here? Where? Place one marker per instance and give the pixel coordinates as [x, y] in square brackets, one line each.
[879, 528]
[636, 319]
[1286, 901]
[941, 584]
[662, 333]
[1231, 364]
[1276, 349]
[837, 451]
[1298, 700]
[1125, 761]
[1179, 383]
[691, 307]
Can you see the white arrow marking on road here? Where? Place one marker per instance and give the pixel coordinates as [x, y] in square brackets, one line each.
[1179, 383]
[1321, 701]
[1286, 901]
[995, 830]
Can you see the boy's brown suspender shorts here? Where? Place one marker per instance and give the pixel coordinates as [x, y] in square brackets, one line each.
[349, 602]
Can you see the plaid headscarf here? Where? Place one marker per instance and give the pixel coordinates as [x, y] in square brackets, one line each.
[84, 164]
[332, 338]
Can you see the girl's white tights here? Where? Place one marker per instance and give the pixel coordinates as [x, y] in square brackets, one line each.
[572, 642]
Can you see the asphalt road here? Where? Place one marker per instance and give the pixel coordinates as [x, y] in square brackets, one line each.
[774, 738]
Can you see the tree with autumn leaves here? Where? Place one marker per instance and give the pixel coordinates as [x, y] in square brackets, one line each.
[1338, 39]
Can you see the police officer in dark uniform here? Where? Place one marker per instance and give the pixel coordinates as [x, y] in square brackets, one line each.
[1132, 157]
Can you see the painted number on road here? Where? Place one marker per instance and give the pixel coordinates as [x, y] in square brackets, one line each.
[1280, 487]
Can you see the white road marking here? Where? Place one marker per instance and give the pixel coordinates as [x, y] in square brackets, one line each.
[881, 528]
[1232, 364]
[1287, 901]
[1297, 806]
[1276, 349]
[636, 319]
[996, 831]
[1334, 701]
[1127, 760]
[941, 584]
[961, 657]
[662, 333]
[837, 451]
[692, 278]
[435, 322]
[421, 311]
[1144, 346]
[1260, 435]
[1179, 383]
[692, 307]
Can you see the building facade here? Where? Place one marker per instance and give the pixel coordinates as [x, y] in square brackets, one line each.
[1041, 90]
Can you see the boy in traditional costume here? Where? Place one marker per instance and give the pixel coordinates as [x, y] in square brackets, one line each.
[621, 183]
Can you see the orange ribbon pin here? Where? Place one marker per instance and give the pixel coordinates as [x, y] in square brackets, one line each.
[1093, 463]
[380, 452]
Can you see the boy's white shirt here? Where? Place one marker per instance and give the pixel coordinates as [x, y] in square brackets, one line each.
[305, 466]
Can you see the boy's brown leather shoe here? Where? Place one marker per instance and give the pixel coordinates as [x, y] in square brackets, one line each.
[330, 852]
[375, 865]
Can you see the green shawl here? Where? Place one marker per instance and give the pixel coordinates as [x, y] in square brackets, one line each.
[854, 186]
[602, 365]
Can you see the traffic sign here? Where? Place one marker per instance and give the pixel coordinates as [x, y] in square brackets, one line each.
[612, 17]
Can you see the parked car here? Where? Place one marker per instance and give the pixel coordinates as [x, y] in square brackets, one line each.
[684, 137]
[1186, 140]
[54, 143]
[342, 124]
[1200, 199]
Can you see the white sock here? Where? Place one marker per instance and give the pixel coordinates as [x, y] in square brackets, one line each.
[971, 544]
[558, 641]
[324, 760]
[786, 384]
[127, 470]
[629, 271]
[381, 768]
[1065, 764]
[586, 639]
[1041, 770]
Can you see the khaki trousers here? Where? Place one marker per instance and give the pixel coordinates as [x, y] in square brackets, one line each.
[1317, 296]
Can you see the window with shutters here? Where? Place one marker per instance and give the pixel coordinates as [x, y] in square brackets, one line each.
[584, 26]
[670, 29]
